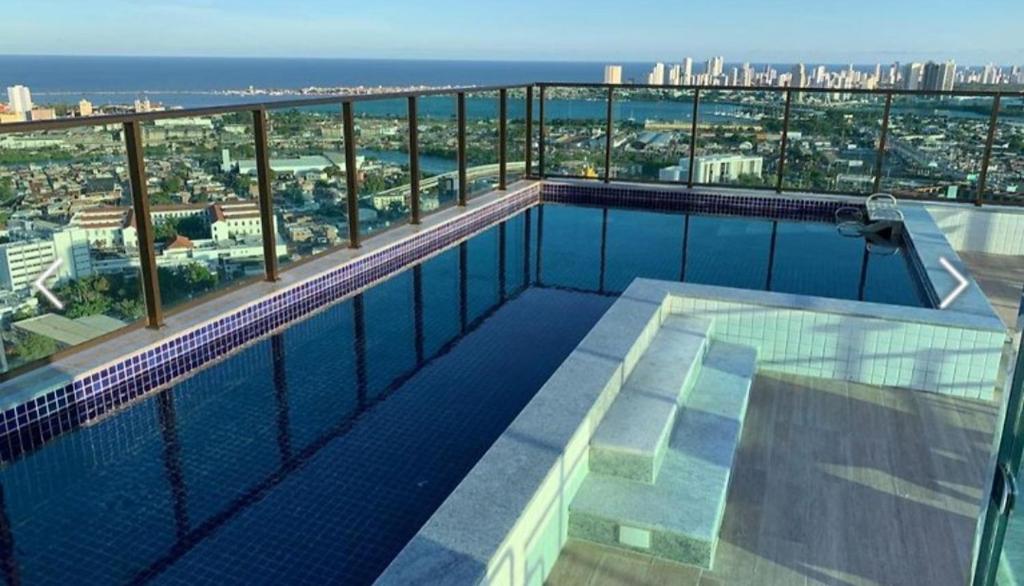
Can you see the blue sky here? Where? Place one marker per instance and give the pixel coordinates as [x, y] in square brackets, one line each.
[828, 31]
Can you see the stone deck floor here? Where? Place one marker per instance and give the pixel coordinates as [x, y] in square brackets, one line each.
[1001, 278]
[839, 483]
[835, 483]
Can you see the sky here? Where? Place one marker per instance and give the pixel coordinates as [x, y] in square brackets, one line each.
[820, 31]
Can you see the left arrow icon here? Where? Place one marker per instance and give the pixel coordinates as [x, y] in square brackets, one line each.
[40, 284]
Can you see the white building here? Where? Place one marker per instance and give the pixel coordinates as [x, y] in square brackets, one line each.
[675, 75]
[22, 262]
[688, 71]
[714, 168]
[20, 99]
[657, 75]
[613, 74]
[799, 78]
[912, 74]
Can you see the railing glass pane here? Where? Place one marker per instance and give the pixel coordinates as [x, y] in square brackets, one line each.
[1005, 182]
[833, 141]
[739, 137]
[382, 154]
[535, 134]
[481, 142]
[203, 205]
[307, 163]
[935, 146]
[574, 131]
[65, 195]
[439, 152]
[651, 136]
[515, 136]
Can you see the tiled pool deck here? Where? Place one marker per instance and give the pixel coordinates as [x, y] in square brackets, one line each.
[834, 483]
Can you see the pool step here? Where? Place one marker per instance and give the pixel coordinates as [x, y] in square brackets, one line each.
[632, 439]
[678, 516]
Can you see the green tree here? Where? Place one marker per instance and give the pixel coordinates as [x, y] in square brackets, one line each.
[6, 190]
[193, 227]
[372, 184]
[165, 231]
[31, 347]
[183, 283]
[128, 310]
[87, 296]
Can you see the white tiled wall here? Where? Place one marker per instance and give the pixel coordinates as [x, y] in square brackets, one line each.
[943, 359]
[988, 229]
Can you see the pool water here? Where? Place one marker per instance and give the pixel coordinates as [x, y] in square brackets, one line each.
[314, 455]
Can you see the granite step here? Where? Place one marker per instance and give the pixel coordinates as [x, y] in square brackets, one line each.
[632, 439]
[679, 516]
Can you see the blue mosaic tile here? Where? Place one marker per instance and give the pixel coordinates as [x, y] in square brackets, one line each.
[93, 394]
[694, 201]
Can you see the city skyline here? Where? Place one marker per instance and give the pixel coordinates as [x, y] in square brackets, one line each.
[910, 31]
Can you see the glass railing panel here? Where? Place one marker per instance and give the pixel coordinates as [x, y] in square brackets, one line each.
[203, 206]
[651, 136]
[574, 131]
[833, 141]
[739, 137]
[382, 155]
[515, 135]
[65, 195]
[307, 163]
[481, 142]
[1005, 181]
[935, 146]
[439, 152]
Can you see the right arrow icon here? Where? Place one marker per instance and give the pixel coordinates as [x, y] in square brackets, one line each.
[960, 279]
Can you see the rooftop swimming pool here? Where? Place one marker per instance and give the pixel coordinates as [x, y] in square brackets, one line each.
[315, 454]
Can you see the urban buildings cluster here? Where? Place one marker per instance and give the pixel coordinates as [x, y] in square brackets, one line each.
[65, 195]
[930, 76]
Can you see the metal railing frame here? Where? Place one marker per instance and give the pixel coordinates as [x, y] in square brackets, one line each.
[780, 183]
[134, 149]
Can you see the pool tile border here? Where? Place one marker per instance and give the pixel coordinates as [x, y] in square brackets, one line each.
[700, 200]
[89, 396]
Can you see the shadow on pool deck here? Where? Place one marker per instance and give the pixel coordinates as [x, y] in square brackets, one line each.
[834, 483]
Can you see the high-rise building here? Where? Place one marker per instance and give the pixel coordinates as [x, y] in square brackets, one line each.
[799, 78]
[820, 76]
[688, 71]
[84, 108]
[715, 66]
[938, 76]
[675, 75]
[912, 73]
[990, 74]
[20, 99]
[657, 75]
[747, 78]
[613, 74]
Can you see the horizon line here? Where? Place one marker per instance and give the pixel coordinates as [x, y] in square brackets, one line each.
[482, 60]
